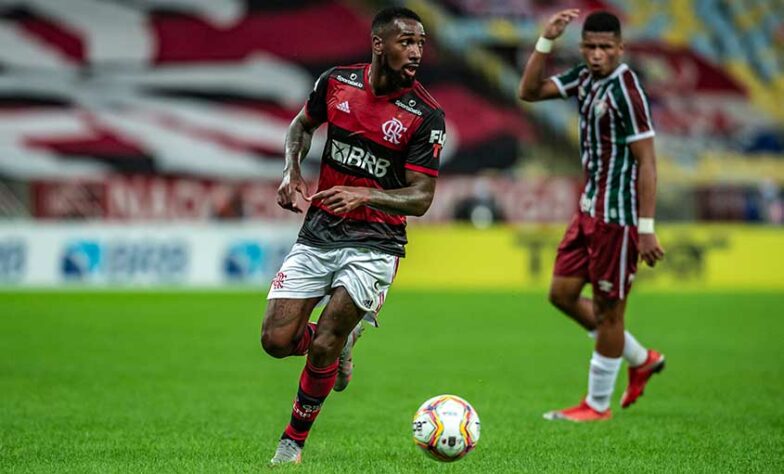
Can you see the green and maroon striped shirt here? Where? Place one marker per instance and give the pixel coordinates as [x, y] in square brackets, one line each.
[614, 112]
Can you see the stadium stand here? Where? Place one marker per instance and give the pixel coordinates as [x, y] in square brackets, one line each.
[181, 97]
[163, 91]
[181, 87]
[708, 67]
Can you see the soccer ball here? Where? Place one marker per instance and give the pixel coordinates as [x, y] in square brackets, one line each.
[446, 428]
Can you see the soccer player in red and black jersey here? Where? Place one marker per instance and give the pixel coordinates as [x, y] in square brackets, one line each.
[380, 163]
[614, 225]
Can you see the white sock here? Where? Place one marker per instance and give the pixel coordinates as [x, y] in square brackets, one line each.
[633, 352]
[601, 380]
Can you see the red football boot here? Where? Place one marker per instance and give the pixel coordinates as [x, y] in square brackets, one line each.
[580, 413]
[638, 377]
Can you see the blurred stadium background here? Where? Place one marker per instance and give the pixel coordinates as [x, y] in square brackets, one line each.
[141, 146]
[140, 141]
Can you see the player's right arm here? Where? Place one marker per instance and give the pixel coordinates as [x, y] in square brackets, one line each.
[533, 85]
[642, 150]
[297, 145]
[298, 139]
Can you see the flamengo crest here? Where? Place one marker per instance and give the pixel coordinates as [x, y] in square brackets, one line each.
[393, 129]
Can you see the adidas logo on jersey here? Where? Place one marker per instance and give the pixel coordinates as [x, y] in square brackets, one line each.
[343, 107]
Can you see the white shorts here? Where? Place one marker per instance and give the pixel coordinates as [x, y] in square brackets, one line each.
[309, 272]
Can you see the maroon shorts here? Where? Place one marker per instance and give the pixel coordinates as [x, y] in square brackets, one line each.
[604, 254]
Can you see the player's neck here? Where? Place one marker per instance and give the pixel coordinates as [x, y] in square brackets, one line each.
[380, 83]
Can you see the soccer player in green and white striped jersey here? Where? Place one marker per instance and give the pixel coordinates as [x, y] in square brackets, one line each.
[614, 224]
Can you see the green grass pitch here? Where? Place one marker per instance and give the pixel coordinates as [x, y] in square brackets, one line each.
[176, 382]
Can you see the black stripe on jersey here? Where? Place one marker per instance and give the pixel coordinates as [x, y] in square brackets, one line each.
[350, 75]
[413, 103]
[355, 155]
[324, 230]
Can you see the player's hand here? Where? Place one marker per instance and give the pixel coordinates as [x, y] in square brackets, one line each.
[342, 199]
[557, 23]
[287, 191]
[650, 250]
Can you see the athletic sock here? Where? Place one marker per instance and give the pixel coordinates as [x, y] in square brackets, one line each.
[601, 380]
[634, 353]
[315, 383]
[304, 342]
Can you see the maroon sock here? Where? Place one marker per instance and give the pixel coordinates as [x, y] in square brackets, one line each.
[314, 385]
[304, 342]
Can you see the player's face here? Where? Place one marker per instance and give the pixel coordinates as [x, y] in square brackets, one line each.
[402, 50]
[602, 52]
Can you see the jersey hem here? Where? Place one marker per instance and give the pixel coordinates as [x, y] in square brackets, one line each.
[355, 245]
[602, 217]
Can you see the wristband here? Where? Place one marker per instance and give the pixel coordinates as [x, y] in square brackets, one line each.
[544, 45]
[645, 225]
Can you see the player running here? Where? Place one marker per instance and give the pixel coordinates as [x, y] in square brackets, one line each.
[614, 224]
[379, 165]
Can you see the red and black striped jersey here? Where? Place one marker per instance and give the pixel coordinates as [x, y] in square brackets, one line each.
[371, 142]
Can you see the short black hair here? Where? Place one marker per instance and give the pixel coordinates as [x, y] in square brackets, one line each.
[388, 15]
[602, 22]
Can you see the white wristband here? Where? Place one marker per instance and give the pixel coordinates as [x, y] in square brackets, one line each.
[645, 225]
[544, 45]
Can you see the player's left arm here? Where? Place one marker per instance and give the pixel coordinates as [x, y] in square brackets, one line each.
[412, 200]
[643, 152]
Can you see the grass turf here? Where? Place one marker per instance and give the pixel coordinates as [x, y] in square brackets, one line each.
[126, 382]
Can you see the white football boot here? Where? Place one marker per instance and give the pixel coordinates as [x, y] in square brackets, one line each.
[346, 363]
[288, 452]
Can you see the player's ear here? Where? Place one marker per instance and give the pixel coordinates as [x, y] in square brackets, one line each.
[377, 44]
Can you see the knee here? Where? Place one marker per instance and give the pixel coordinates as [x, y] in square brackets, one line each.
[607, 313]
[608, 318]
[325, 348]
[561, 299]
[275, 344]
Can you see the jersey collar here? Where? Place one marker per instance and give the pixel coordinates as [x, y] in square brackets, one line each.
[617, 72]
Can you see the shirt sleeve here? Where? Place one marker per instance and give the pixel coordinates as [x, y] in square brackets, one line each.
[426, 145]
[568, 82]
[316, 106]
[635, 109]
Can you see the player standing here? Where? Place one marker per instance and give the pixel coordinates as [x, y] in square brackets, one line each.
[379, 165]
[614, 224]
